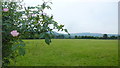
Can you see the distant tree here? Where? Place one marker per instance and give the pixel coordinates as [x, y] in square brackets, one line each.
[76, 37]
[105, 36]
[79, 37]
[96, 37]
[113, 37]
[69, 37]
[119, 37]
[62, 36]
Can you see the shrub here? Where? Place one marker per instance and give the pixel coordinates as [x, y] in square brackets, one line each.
[20, 21]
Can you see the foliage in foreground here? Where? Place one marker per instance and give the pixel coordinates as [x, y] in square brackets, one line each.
[19, 21]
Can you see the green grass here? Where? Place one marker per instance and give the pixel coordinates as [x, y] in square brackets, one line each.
[69, 52]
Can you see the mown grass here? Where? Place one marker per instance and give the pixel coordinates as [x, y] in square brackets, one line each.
[69, 52]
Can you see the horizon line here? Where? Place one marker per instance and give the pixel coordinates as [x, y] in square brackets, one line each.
[88, 32]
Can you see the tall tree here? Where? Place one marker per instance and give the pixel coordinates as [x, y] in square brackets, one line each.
[105, 36]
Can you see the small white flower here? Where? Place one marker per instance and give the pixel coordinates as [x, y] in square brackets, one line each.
[44, 13]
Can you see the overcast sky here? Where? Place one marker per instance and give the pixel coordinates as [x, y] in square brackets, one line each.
[94, 16]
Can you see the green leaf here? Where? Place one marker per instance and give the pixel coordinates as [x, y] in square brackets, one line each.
[43, 5]
[31, 7]
[61, 26]
[42, 35]
[15, 47]
[21, 51]
[48, 7]
[47, 38]
[21, 44]
[65, 30]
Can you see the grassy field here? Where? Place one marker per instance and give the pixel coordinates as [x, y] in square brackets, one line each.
[69, 52]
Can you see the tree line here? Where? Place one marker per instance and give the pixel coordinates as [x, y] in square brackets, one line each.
[105, 36]
[62, 36]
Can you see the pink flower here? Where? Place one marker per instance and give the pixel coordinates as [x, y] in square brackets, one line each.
[14, 33]
[33, 15]
[5, 9]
